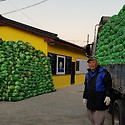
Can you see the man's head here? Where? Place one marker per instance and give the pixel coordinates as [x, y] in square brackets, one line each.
[92, 63]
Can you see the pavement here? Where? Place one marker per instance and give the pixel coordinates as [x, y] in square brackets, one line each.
[62, 107]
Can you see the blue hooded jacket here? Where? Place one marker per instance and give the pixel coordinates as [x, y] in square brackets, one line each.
[97, 86]
[99, 80]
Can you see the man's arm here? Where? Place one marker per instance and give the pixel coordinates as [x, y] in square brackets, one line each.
[85, 92]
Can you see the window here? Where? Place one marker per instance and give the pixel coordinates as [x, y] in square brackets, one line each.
[68, 65]
[53, 62]
[60, 64]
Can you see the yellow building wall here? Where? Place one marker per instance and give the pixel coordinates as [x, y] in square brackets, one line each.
[9, 33]
[80, 78]
[61, 80]
[65, 80]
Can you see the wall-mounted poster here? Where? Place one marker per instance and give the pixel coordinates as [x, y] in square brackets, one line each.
[81, 66]
[60, 65]
[53, 62]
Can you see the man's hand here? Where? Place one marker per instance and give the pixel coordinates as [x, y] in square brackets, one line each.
[84, 101]
[107, 100]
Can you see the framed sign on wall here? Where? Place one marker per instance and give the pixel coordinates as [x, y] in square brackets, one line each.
[58, 61]
[81, 66]
[60, 65]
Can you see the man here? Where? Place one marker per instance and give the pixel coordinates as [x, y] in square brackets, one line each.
[97, 91]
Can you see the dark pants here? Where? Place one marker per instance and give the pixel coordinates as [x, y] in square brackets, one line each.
[96, 117]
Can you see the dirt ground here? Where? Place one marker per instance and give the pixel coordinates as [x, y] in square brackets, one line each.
[63, 107]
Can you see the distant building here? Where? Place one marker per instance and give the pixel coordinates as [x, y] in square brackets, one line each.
[68, 60]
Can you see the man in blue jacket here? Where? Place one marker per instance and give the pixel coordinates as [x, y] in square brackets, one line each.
[97, 91]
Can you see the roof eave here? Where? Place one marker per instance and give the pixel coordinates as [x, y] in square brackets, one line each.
[27, 28]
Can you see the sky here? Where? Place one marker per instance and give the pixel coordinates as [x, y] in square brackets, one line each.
[72, 20]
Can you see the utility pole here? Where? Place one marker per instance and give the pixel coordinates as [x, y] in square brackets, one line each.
[88, 39]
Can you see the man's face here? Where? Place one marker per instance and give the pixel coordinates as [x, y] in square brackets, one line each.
[93, 64]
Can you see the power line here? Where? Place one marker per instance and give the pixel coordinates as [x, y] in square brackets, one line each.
[25, 14]
[25, 7]
[2, 0]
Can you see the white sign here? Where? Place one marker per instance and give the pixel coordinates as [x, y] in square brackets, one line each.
[81, 66]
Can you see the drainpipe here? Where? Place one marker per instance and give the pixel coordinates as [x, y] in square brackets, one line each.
[95, 40]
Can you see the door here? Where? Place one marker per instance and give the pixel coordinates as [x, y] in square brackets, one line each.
[73, 73]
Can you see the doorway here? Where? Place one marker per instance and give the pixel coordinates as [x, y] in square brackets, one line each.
[73, 73]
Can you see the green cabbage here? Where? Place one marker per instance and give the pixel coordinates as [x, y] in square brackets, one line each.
[24, 71]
